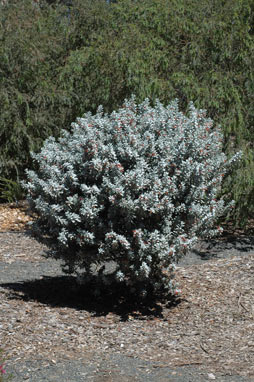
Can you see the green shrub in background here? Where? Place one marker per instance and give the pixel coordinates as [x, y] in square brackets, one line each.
[30, 45]
[100, 54]
[35, 41]
[33, 46]
[10, 190]
[197, 50]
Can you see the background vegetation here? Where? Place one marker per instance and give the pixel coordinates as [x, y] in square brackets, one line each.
[58, 61]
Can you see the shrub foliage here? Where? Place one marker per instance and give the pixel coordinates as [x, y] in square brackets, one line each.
[137, 187]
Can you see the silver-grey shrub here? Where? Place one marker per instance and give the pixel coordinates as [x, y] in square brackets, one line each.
[137, 187]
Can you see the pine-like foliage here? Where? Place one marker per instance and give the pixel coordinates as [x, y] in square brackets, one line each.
[137, 187]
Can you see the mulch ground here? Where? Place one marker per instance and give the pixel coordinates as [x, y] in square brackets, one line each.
[16, 218]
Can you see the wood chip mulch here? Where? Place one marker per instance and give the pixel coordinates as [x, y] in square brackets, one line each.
[14, 216]
[211, 326]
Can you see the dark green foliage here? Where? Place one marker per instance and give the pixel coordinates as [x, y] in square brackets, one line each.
[56, 64]
[31, 42]
[10, 190]
[193, 50]
[34, 44]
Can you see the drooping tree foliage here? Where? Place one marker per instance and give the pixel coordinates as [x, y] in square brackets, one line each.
[35, 43]
[100, 53]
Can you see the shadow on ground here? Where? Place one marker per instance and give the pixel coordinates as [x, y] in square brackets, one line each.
[63, 291]
[220, 247]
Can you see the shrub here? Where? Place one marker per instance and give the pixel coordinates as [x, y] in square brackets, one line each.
[28, 88]
[34, 105]
[10, 190]
[137, 187]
